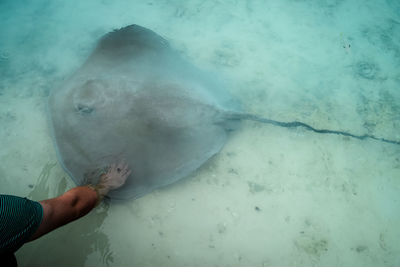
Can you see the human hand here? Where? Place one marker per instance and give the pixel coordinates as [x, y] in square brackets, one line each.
[114, 178]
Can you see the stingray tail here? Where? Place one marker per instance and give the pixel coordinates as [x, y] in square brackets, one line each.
[295, 124]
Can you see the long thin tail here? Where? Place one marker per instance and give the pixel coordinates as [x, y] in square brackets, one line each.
[294, 124]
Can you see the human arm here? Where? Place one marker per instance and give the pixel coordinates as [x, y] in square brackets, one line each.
[80, 200]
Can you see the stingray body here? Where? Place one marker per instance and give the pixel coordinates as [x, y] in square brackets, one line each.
[136, 99]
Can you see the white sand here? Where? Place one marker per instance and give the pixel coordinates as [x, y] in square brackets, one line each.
[272, 196]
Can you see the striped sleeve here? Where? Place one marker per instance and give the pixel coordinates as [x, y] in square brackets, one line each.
[19, 219]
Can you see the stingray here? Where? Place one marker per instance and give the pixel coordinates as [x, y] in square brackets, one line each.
[137, 99]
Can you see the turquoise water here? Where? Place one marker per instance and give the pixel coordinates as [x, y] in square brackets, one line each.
[273, 196]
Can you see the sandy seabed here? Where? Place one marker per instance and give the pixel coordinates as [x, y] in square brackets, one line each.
[273, 196]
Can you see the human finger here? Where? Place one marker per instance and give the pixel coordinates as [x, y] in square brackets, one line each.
[126, 175]
[112, 166]
[120, 166]
[126, 166]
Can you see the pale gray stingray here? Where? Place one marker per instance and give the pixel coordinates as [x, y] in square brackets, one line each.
[136, 99]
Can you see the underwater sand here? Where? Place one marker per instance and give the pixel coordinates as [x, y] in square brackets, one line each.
[272, 196]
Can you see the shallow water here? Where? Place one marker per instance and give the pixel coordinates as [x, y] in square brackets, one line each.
[273, 196]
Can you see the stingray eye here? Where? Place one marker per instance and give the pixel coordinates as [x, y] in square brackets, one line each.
[84, 109]
[87, 96]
